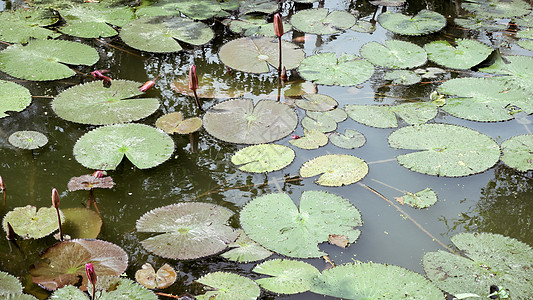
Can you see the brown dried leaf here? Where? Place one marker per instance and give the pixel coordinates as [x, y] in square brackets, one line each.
[164, 277]
[338, 240]
[88, 182]
[399, 199]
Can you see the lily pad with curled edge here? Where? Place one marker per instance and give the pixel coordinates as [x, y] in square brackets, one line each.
[335, 169]
[487, 259]
[517, 71]
[174, 123]
[263, 158]
[256, 54]
[81, 223]
[424, 198]
[424, 22]
[104, 147]
[147, 276]
[518, 153]
[313, 139]
[258, 6]
[374, 281]
[317, 102]
[402, 77]
[351, 139]
[240, 121]
[93, 20]
[484, 99]
[338, 115]
[42, 60]
[166, 30]
[14, 97]
[480, 24]
[64, 263]
[245, 250]
[30, 223]
[322, 21]
[288, 276]
[274, 221]
[321, 123]
[27, 139]
[445, 150]
[187, 230]
[328, 69]
[249, 25]
[226, 286]
[9, 285]
[497, 9]
[466, 54]
[394, 54]
[19, 26]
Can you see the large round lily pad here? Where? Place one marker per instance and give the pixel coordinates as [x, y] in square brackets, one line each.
[103, 148]
[466, 54]
[19, 26]
[226, 286]
[30, 223]
[240, 121]
[28, 139]
[245, 249]
[424, 22]
[274, 221]
[14, 97]
[288, 276]
[328, 69]
[446, 150]
[187, 230]
[394, 54]
[263, 158]
[518, 153]
[322, 21]
[335, 169]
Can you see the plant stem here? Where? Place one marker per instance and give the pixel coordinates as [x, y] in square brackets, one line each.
[197, 100]
[279, 66]
[60, 227]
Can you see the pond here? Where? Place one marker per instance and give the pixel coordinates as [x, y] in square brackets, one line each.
[494, 199]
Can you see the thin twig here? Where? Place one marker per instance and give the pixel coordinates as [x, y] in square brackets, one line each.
[389, 186]
[131, 53]
[167, 295]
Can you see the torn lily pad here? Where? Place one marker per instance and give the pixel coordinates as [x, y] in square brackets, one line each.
[249, 25]
[174, 123]
[313, 139]
[148, 277]
[497, 9]
[322, 21]
[225, 285]
[245, 250]
[19, 26]
[517, 152]
[464, 55]
[288, 276]
[328, 69]
[335, 169]
[424, 22]
[14, 97]
[28, 139]
[263, 158]
[351, 139]
[394, 54]
[317, 102]
[422, 199]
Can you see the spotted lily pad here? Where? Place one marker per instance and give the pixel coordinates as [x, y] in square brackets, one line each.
[93, 20]
[29, 140]
[351, 139]
[18, 26]
[103, 148]
[317, 102]
[263, 158]
[402, 77]
[313, 139]
[394, 54]
[445, 150]
[517, 152]
[322, 21]
[14, 97]
[335, 169]
[30, 223]
[226, 286]
[148, 277]
[9, 285]
[517, 72]
[424, 22]
[81, 223]
[497, 9]
[174, 123]
[249, 25]
[288, 276]
[187, 230]
[424, 198]
[328, 69]
[466, 54]
[245, 250]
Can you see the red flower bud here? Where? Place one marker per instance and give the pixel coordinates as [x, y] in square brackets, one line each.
[278, 25]
[98, 174]
[55, 198]
[91, 275]
[295, 137]
[193, 78]
[147, 86]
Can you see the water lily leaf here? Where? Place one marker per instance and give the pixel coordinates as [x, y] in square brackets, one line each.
[517, 152]
[484, 99]
[91, 20]
[274, 221]
[227, 286]
[14, 97]
[204, 9]
[363, 27]
[380, 116]
[249, 25]
[240, 121]
[187, 230]
[526, 44]
[321, 123]
[174, 123]
[446, 150]
[127, 289]
[313, 139]
[28, 139]
[425, 22]
[288, 276]
[327, 69]
[148, 278]
[263, 158]
[402, 77]
[518, 71]
[394, 54]
[18, 26]
[338, 115]
[430, 72]
[321, 21]
[466, 54]
[64, 263]
[480, 24]
[374, 281]
[42, 60]
[489, 259]
[424, 198]
[351, 139]
[69, 292]
[317, 102]
[209, 86]
[392, 3]
[255, 54]
[81, 223]
[89, 182]
[245, 250]
[416, 112]
[9, 285]
[141, 33]
[30, 223]
[258, 6]
[497, 9]
[103, 148]
[335, 169]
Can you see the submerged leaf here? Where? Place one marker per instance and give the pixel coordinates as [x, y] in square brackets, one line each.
[402, 77]
[424, 22]
[245, 249]
[466, 54]
[226, 286]
[14, 97]
[29, 140]
[30, 223]
[89, 182]
[288, 276]
[394, 54]
[321, 21]
[327, 69]
[517, 152]
[19, 26]
[263, 158]
[335, 169]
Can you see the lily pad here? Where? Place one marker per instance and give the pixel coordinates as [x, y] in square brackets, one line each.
[446, 150]
[392, 3]
[402, 77]
[321, 123]
[351, 139]
[258, 6]
[81, 223]
[394, 54]
[497, 9]
[174, 123]
[383, 116]
[209, 86]
[430, 72]
[19, 26]
[187, 230]
[245, 250]
[424, 198]
[424, 22]
[249, 25]
[89, 182]
[93, 20]
[29, 140]
[141, 33]
[288, 276]
[30, 223]
[517, 71]
[338, 115]
[227, 286]
[488, 259]
[240, 121]
[526, 44]
[322, 21]
[363, 26]
[205, 9]
[313, 139]
[317, 102]
[103, 148]
[14, 97]
[263, 158]
[335, 169]
[327, 69]
[274, 221]
[42, 60]
[256, 54]
[9, 285]
[517, 152]
[148, 277]
[480, 24]
[466, 54]
[119, 288]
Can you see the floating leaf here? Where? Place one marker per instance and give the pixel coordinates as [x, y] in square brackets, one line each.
[425, 22]
[335, 169]
[321, 21]
[205, 9]
[255, 54]
[288, 276]
[480, 24]
[148, 278]
[209, 86]
[187, 230]
[497, 9]
[313, 139]
[14, 97]
[89, 182]
[42, 60]
[317, 102]
[379, 116]
[263, 158]
[338, 115]
[226, 286]
[174, 123]
[245, 250]
[9, 285]
[249, 25]
[124, 288]
[274, 221]
[258, 6]
[518, 71]
[103, 148]
[424, 198]
[321, 123]
[29, 140]
[392, 3]
[430, 72]
[29, 223]
[351, 139]
[19, 26]
[517, 152]
[91, 20]
[415, 112]
[446, 150]
[363, 27]
[526, 44]
[466, 54]
[402, 77]
[327, 69]
[240, 121]
[394, 54]
[488, 259]
[81, 223]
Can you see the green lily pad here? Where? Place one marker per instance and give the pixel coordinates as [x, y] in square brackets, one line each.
[488, 259]
[416, 112]
[327, 69]
[263, 158]
[103, 148]
[240, 121]
[274, 221]
[289, 276]
[497, 9]
[526, 44]
[480, 24]
[157, 8]
[313, 139]
[379, 116]
[30, 223]
[403, 77]
[517, 72]
[424, 198]
[187, 230]
[228, 286]
[424, 22]
[394, 54]
[517, 152]
[9, 285]
[42, 60]
[81, 223]
[351, 139]
[118, 288]
[249, 25]
[205, 9]
[29, 140]
[430, 72]
[335, 169]
[322, 21]
[363, 26]
[14, 97]
[374, 281]
[392, 3]
[64, 263]
[258, 6]
[174, 123]
[245, 250]
[256, 54]
[317, 102]
[321, 123]
[338, 115]
[446, 150]
[19, 26]
[466, 54]
[159, 34]
[69, 292]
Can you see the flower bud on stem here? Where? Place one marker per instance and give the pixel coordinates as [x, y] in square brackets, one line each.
[55, 203]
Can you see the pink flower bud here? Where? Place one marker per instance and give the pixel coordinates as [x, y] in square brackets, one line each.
[147, 86]
[55, 198]
[278, 25]
[283, 75]
[295, 137]
[2, 184]
[193, 78]
[98, 174]
[91, 275]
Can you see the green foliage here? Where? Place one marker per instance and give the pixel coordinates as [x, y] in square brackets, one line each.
[517, 152]
[351, 139]
[30, 223]
[249, 25]
[313, 139]
[263, 158]
[288, 276]
[402, 77]
[245, 249]
[517, 71]
[321, 21]
[316, 102]
[424, 22]
[14, 97]
[466, 54]
[335, 169]
[19, 26]
[422, 199]
[382, 116]
[228, 286]
[9, 285]
[328, 69]
[174, 123]
[497, 9]
[320, 122]
[29, 140]
[394, 54]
